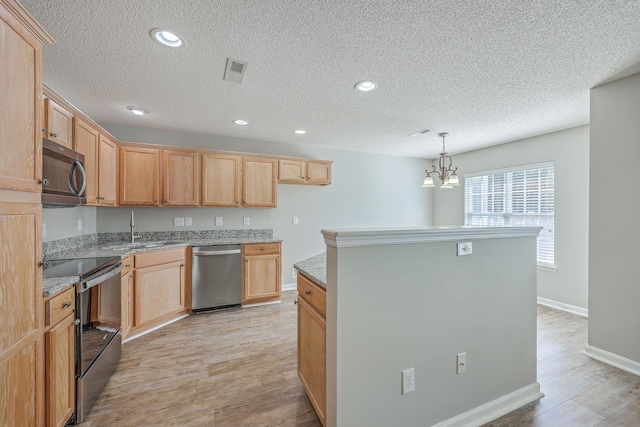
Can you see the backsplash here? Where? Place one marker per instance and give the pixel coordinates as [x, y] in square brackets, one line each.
[61, 245]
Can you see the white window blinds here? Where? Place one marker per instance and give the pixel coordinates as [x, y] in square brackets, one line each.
[520, 196]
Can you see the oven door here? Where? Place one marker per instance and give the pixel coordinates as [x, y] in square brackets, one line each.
[98, 338]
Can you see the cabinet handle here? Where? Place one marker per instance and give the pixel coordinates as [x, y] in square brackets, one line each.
[55, 135]
[128, 265]
[45, 130]
[181, 265]
[302, 177]
[40, 263]
[165, 201]
[295, 301]
[262, 249]
[67, 304]
[76, 322]
[307, 292]
[155, 200]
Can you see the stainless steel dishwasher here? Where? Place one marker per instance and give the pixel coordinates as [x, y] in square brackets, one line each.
[216, 277]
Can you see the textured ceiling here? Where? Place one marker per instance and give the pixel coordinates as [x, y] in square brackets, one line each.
[487, 72]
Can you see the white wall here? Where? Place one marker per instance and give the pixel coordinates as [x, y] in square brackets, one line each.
[569, 149]
[367, 190]
[614, 230]
[380, 322]
[60, 223]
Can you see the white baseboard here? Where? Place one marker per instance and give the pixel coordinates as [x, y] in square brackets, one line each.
[494, 409]
[564, 307]
[289, 286]
[613, 359]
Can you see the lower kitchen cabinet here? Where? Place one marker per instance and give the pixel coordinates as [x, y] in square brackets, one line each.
[261, 281]
[59, 340]
[312, 343]
[159, 288]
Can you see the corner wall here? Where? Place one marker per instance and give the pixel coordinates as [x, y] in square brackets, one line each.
[367, 190]
[614, 229]
[569, 149]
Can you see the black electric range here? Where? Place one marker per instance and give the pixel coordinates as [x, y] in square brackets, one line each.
[83, 267]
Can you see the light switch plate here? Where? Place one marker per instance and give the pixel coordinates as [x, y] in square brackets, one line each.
[464, 248]
[218, 221]
[245, 220]
[178, 221]
[187, 220]
[295, 220]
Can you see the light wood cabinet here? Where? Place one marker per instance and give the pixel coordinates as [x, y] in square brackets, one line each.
[160, 288]
[314, 172]
[180, 178]
[107, 172]
[126, 297]
[259, 178]
[58, 123]
[312, 343]
[21, 308]
[261, 278]
[221, 180]
[60, 359]
[139, 176]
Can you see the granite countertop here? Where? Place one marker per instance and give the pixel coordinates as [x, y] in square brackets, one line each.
[315, 268]
[53, 285]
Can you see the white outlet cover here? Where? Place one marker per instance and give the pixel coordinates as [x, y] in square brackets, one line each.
[178, 221]
[408, 381]
[464, 248]
[245, 220]
[461, 363]
[187, 220]
[218, 221]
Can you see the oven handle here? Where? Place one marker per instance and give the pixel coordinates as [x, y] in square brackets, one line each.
[72, 185]
[102, 277]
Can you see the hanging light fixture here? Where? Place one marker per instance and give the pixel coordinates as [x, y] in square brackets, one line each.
[447, 174]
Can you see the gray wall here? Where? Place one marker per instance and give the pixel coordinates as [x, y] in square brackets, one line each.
[379, 323]
[614, 230]
[367, 190]
[569, 149]
[60, 223]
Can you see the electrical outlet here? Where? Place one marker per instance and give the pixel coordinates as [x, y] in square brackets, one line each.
[295, 220]
[178, 221]
[245, 220]
[464, 248]
[187, 221]
[79, 225]
[294, 273]
[461, 363]
[408, 381]
[218, 221]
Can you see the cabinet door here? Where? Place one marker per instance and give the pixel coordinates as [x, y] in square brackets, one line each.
[220, 180]
[261, 278]
[107, 172]
[86, 140]
[291, 171]
[20, 106]
[158, 291]
[21, 314]
[60, 372]
[58, 123]
[180, 177]
[259, 183]
[139, 169]
[312, 356]
[319, 173]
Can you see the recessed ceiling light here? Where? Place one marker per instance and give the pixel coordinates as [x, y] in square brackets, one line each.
[137, 111]
[366, 85]
[300, 131]
[166, 37]
[240, 122]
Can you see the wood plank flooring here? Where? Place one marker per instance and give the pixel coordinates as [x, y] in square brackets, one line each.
[238, 368]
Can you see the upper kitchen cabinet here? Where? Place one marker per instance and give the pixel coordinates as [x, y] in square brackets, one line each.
[21, 41]
[100, 161]
[221, 180]
[58, 123]
[259, 177]
[314, 172]
[139, 173]
[180, 178]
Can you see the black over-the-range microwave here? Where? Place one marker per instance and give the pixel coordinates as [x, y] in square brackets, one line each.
[64, 180]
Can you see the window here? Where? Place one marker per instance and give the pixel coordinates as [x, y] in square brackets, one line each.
[519, 196]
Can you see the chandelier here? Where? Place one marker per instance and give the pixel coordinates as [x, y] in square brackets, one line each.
[447, 174]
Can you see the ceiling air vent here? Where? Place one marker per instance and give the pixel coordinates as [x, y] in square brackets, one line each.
[234, 71]
[420, 132]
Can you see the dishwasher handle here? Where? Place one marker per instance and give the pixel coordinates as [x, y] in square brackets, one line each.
[214, 253]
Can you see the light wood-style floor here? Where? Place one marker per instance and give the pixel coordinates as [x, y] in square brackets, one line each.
[238, 368]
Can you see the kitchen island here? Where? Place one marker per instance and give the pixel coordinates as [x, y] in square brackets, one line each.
[422, 298]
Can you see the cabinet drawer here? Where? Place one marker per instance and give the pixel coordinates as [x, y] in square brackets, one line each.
[315, 295]
[59, 306]
[127, 266]
[149, 259]
[261, 248]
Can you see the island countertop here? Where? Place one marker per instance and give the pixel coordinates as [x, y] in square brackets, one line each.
[315, 268]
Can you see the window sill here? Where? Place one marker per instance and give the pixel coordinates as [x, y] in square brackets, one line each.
[551, 268]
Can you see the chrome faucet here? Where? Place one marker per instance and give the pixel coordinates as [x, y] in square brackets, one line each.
[134, 234]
